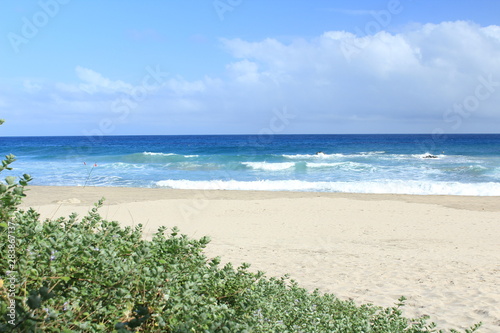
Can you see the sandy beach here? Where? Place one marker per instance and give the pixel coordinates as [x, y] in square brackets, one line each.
[441, 252]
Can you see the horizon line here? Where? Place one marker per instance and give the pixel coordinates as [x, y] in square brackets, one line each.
[277, 134]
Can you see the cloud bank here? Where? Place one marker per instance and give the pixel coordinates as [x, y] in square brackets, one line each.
[434, 76]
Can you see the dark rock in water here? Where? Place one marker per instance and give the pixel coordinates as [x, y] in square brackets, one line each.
[430, 156]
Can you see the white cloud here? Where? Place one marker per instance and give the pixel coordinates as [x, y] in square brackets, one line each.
[32, 87]
[412, 74]
[179, 86]
[244, 71]
[405, 82]
[493, 31]
[94, 82]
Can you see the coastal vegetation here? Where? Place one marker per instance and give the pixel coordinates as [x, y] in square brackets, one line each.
[89, 274]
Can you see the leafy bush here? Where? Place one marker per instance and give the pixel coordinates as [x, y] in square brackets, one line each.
[92, 275]
[11, 191]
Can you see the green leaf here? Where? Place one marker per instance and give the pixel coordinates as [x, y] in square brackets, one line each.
[11, 180]
[120, 326]
[45, 294]
[18, 191]
[34, 301]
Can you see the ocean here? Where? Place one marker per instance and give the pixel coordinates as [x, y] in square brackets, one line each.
[405, 164]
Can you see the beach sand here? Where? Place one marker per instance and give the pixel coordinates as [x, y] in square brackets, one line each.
[441, 252]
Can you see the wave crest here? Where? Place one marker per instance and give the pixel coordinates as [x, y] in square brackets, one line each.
[269, 166]
[380, 187]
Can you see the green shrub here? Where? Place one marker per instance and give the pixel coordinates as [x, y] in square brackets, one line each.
[12, 190]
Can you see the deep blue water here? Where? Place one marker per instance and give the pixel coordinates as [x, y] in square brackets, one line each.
[460, 164]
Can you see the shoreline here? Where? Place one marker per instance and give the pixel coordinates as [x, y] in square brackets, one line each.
[440, 252]
[116, 195]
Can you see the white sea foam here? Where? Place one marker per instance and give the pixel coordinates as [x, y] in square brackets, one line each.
[157, 154]
[381, 187]
[324, 165]
[428, 155]
[314, 156]
[165, 154]
[269, 166]
[340, 165]
[372, 152]
[321, 155]
[124, 166]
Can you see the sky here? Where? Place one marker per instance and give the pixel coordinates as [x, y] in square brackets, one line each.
[174, 67]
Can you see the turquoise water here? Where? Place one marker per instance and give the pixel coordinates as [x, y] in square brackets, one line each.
[410, 164]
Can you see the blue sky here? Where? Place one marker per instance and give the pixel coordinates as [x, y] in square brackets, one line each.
[112, 67]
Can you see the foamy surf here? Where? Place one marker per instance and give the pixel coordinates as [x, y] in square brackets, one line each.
[269, 166]
[147, 153]
[319, 155]
[376, 187]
